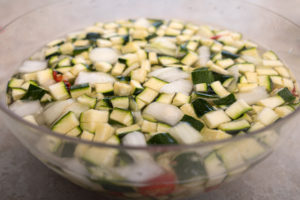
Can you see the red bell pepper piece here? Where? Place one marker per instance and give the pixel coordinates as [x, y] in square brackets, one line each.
[215, 37]
[159, 186]
[57, 77]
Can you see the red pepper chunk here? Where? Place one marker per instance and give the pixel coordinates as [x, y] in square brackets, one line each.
[294, 92]
[68, 85]
[159, 186]
[215, 37]
[56, 76]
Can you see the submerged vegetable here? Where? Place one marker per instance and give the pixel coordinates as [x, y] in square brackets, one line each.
[155, 82]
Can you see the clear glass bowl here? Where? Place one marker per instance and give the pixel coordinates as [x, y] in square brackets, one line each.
[115, 175]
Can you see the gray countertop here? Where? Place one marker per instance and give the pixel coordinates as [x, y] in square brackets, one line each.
[23, 177]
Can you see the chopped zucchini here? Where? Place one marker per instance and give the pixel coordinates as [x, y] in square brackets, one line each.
[214, 118]
[149, 126]
[34, 92]
[87, 100]
[128, 129]
[286, 95]
[215, 169]
[267, 116]
[225, 63]
[190, 58]
[103, 132]
[165, 98]
[118, 69]
[185, 133]
[192, 164]
[122, 89]
[232, 159]
[162, 128]
[227, 100]
[214, 135]
[202, 75]
[78, 90]
[75, 132]
[219, 89]
[249, 148]
[201, 107]
[266, 82]
[66, 123]
[235, 127]
[155, 83]
[120, 102]
[91, 115]
[227, 54]
[196, 124]
[283, 111]
[238, 108]
[271, 102]
[59, 91]
[137, 87]
[180, 99]
[201, 87]
[15, 83]
[270, 55]
[162, 138]
[104, 88]
[122, 116]
[102, 66]
[167, 60]
[44, 76]
[148, 95]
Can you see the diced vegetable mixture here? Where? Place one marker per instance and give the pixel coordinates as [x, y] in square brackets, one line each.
[149, 81]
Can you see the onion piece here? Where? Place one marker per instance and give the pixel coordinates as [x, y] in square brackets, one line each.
[23, 108]
[94, 77]
[251, 59]
[169, 74]
[234, 71]
[32, 66]
[54, 111]
[254, 95]
[140, 171]
[135, 138]
[166, 113]
[183, 86]
[162, 45]
[104, 55]
[204, 55]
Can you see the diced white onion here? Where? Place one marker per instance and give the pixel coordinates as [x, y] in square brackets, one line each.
[104, 55]
[94, 77]
[32, 66]
[169, 74]
[135, 138]
[23, 108]
[166, 113]
[254, 95]
[182, 86]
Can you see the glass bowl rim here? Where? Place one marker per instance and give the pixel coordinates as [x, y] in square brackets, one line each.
[4, 108]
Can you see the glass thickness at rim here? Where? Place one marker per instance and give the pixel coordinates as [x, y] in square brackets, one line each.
[4, 108]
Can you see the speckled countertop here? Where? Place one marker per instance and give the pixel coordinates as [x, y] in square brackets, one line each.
[23, 177]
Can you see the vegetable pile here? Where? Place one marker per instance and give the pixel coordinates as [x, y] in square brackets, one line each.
[149, 81]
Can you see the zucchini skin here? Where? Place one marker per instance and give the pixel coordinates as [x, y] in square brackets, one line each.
[162, 138]
[201, 107]
[228, 100]
[34, 92]
[188, 165]
[193, 122]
